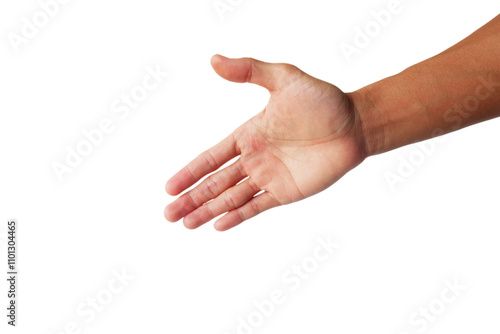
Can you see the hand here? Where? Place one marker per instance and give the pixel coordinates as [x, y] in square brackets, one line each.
[306, 138]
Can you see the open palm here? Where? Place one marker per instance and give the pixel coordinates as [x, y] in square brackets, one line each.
[306, 138]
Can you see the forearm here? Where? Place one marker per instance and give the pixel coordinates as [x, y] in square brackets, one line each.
[455, 89]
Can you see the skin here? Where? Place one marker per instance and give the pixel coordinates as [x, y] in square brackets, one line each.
[311, 133]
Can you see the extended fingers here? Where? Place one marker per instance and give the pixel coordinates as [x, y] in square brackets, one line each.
[256, 205]
[205, 163]
[230, 199]
[209, 189]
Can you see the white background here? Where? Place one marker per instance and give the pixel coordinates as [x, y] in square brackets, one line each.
[397, 246]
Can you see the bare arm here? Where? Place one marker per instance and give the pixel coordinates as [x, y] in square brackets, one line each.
[455, 89]
[311, 133]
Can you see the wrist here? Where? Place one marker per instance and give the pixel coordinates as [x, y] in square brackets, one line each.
[387, 113]
[369, 122]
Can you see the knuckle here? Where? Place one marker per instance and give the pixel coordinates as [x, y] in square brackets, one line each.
[254, 206]
[287, 68]
[229, 201]
[212, 187]
[241, 215]
[191, 199]
[253, 185]
[239, 169]
[287, 73]
[210, 213]
[210, 160]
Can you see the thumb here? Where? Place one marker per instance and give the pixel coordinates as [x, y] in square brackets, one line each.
[267, 75]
